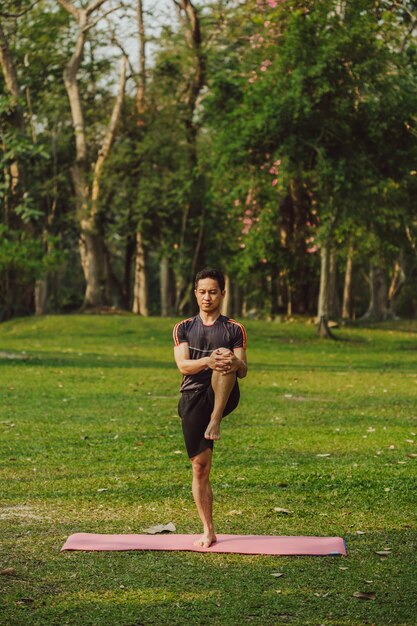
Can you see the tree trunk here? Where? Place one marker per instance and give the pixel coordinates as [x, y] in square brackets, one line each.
[140, 291]
[87, 200]
[193, 210]
[333, 299]
[41, 296]
[127, 287]
[164, 282]
[13, 177]
[377, 309]
[289, 299]
[347, 290]
[227, 302]
[274, 292]
[92, 261]
[323, 303]
[140, 288]
[397, 281]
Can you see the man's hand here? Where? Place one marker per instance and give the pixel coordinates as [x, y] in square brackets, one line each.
[224, 360]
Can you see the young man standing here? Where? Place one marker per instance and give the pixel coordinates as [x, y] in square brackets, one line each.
[210, 352]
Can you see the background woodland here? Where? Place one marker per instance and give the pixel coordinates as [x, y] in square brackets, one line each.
[142, 141]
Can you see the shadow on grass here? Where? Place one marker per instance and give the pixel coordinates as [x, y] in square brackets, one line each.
[92, 360]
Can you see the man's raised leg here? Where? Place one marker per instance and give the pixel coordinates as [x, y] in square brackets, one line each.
[222, 386]
[203, 496]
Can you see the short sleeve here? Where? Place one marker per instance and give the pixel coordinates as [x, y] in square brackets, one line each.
[238, 335]
[179, 333]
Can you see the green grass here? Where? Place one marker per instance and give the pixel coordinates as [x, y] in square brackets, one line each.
[94, 407]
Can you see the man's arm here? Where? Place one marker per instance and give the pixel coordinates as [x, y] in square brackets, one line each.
[192, 366]
[242, 369]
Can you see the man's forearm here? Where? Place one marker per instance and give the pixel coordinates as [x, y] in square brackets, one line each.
[242, 370]
[194, 366]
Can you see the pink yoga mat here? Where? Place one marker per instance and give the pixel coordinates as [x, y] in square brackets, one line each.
[241, 544]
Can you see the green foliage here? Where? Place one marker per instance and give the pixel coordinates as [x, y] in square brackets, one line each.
[305, 133]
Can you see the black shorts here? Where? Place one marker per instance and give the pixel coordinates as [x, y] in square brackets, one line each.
[195, 408]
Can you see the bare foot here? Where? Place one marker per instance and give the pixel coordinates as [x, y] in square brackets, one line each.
[206, 540]
[213, 430]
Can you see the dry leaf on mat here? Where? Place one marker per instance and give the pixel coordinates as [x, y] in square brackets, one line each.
[160, 528]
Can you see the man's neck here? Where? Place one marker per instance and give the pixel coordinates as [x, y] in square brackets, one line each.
[208, 319]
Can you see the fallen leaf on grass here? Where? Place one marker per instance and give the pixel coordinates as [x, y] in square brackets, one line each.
[360, 532]
[25, 601]
[102, 490]
[234, 512]
[383, 552]
[278, 509]
[412, 455]
[277, 574]
[160, 528]
[365, 595]
[8, 571]
[324, 455]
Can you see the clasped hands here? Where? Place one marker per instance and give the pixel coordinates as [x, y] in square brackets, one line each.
[224, 360]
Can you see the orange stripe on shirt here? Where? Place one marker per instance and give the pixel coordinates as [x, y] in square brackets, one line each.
[175, 331]
[242, 329]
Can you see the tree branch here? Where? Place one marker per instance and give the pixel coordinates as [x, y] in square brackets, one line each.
[96, 4]
[92, 24]
[108, 139]
[70, 8]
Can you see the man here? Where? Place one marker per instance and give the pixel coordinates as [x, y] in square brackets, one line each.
[210, 352]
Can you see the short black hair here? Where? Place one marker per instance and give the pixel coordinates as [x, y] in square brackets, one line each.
[210, 272]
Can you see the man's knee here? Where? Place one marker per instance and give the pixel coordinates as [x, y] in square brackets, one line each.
[201, 466]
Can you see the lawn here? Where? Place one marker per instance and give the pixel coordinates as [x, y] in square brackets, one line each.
[91, 442]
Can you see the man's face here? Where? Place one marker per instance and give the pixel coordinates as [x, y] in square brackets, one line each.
[208, 294]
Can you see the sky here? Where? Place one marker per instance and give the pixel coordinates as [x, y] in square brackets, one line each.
[157, 13]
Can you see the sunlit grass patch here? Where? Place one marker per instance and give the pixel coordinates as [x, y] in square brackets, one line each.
[91, 442]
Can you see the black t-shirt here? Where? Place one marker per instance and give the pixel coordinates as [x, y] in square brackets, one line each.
[203, 339]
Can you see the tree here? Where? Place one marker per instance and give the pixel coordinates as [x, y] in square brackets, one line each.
[86, 192]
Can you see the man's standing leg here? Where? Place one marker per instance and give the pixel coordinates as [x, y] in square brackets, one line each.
[203, 496]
